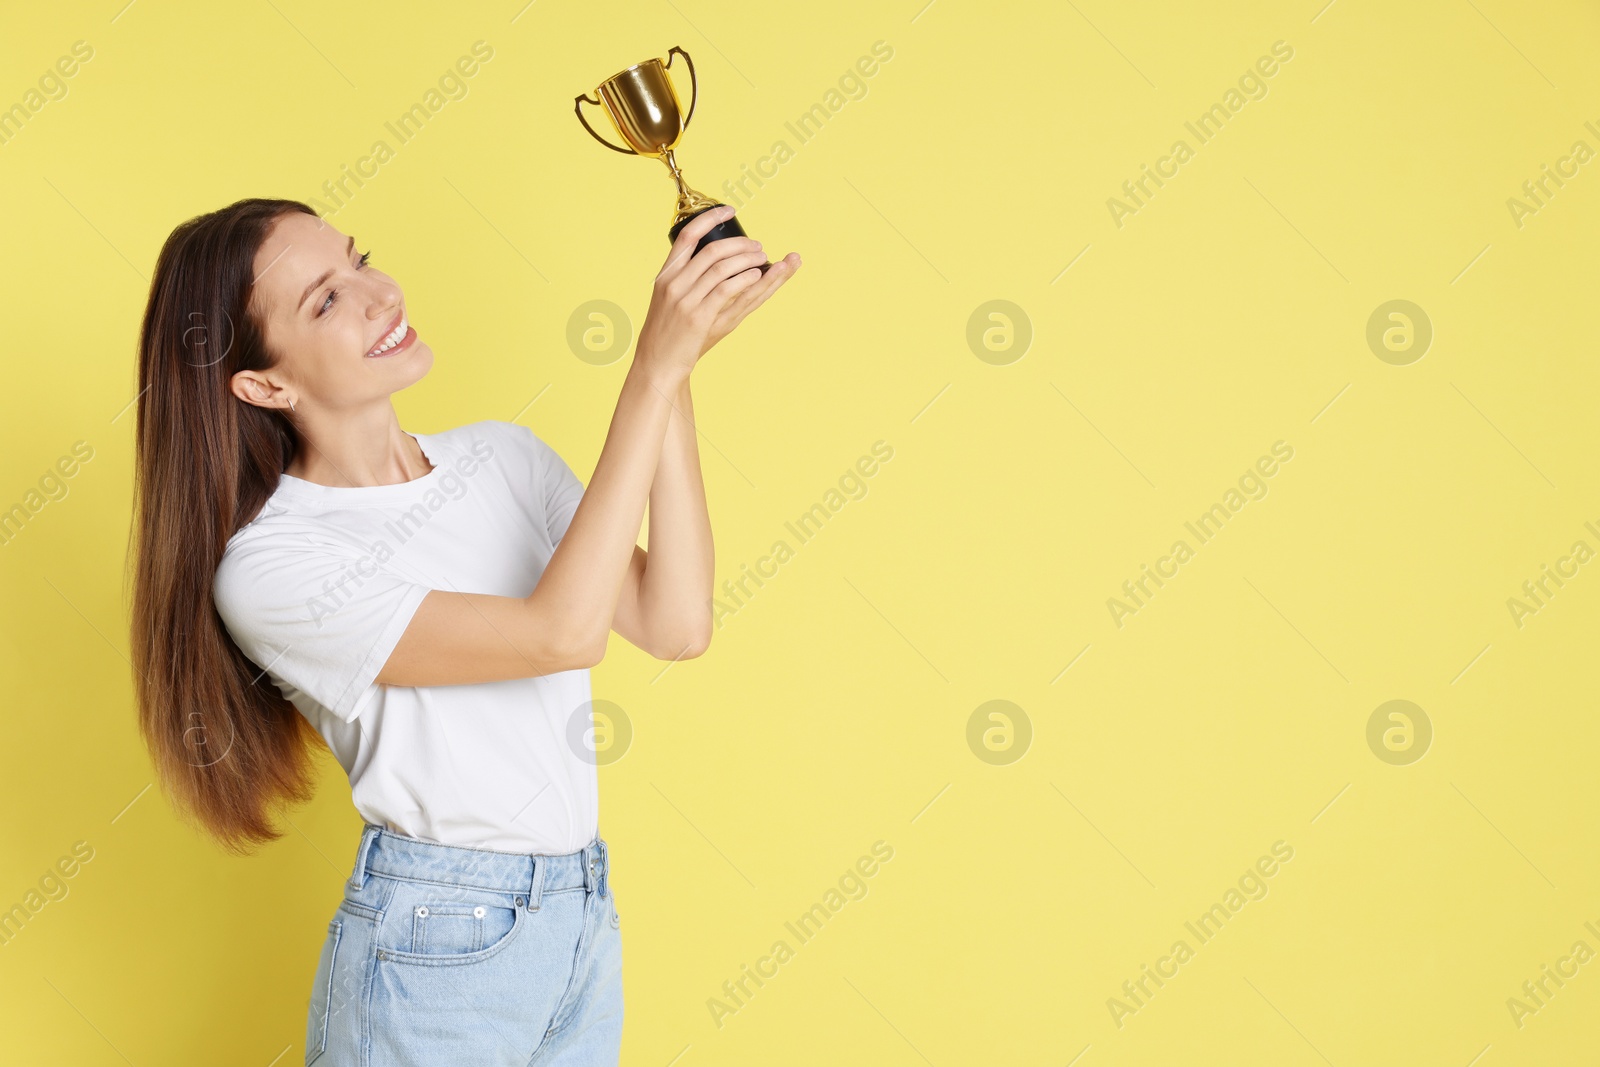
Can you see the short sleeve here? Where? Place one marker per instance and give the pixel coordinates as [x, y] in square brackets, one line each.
[316, 620]
[562, 489]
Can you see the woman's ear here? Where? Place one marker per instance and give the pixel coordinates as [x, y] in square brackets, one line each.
[252, 388]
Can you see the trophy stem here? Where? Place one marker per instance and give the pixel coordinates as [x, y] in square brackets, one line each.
[690, 202]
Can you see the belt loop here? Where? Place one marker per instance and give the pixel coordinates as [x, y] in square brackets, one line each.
[605, 868]
[593, 856]
[358, 877]
[536, 885]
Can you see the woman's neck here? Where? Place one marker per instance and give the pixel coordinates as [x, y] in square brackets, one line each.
[357, 451]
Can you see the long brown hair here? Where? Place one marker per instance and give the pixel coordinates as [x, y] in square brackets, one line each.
[229, 748]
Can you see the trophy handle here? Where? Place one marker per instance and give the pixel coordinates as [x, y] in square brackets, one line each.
[694, 82]
[578, 107]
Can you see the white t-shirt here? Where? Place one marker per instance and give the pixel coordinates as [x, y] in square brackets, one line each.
[319, 587]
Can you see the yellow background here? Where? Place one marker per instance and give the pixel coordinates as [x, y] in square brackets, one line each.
[832, 710]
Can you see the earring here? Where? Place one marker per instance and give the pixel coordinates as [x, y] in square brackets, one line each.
[291, 407]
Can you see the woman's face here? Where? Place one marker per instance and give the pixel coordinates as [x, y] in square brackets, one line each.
[326, 314]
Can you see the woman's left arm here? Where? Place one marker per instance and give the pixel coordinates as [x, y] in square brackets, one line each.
[665, 606]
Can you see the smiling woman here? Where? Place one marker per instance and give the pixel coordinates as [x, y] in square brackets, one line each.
[276, 604]
[329, 330]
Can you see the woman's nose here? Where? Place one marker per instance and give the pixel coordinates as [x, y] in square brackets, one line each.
[386, 301]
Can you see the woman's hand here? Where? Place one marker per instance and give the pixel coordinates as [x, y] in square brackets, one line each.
[699, 298]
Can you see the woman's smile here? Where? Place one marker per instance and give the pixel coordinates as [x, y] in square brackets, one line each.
[397, 339]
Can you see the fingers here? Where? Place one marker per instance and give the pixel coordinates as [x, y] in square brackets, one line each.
[718, 299]
[706, 263]
[724, 267]
[753, 297]
[683, 247]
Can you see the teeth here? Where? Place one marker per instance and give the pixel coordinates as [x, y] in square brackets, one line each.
[393, 339]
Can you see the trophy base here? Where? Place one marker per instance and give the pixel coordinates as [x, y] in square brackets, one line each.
[729, 228]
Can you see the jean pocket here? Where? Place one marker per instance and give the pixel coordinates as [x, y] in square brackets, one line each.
[322, 994]
[444, 925]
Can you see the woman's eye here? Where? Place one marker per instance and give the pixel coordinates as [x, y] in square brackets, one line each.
[327, 303]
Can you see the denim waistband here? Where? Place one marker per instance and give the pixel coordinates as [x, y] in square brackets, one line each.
[390, 855]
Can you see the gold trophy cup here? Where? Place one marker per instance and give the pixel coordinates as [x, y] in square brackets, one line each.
[644, 108]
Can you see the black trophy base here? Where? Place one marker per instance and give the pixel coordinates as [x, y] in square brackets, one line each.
[728, 228]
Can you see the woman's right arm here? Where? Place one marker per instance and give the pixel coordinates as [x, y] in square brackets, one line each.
[459, 638]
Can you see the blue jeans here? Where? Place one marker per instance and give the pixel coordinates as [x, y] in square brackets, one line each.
[445, 955]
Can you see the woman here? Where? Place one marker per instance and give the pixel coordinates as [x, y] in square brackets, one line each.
[429, 605]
